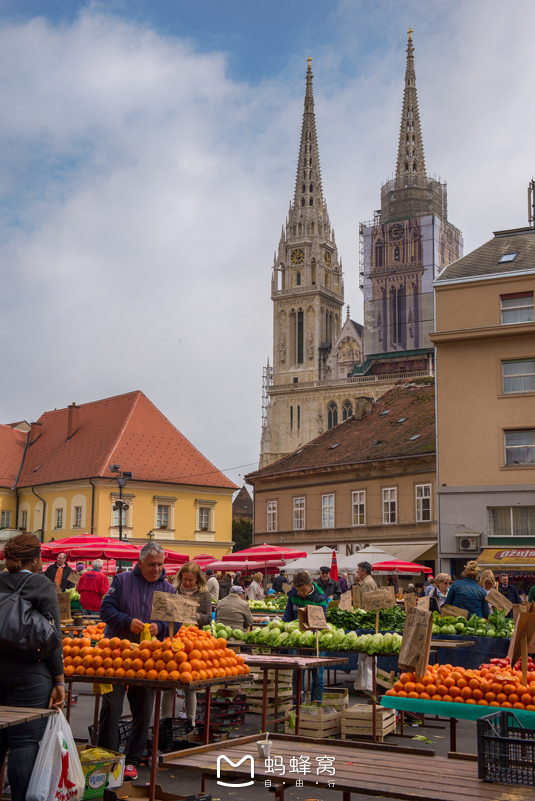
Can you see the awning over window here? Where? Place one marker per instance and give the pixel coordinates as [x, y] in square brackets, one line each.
[507, 558]
[410, 551]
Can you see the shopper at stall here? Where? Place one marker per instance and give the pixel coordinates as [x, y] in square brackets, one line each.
[344, 582]
[126, 609]
[329, 587]
[234, 611]
[59, 572]
[437, 596]
[364, 578]
[279, 580]
[236, 579]
[467, 594]
[509, 591]
[24, 682]
[427, 586]
[93, 586]
[225, 583]
[255, 591]
[212, 585]
[305, 593]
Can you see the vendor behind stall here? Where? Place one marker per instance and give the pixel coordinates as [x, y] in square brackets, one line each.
[329, 587]
[233, 610]
[126, 608]
[509, 591]
[467, 594]
[305, 593]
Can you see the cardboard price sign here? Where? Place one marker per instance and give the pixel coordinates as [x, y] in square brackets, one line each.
[64, 600]
[179, 608]
[379, 599]
[410, 600]
[448, 610]
[416, 642]
[345, 600]
[423, 603]
[286, 588]
[357, 601]
[312, 618]
[499, 601]
[74, 578]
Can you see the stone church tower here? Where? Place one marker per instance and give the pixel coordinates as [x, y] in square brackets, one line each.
[404, 249]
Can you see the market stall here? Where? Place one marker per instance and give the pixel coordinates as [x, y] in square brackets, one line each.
[518, 563]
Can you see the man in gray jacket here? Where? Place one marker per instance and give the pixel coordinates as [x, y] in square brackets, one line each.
[234, 611]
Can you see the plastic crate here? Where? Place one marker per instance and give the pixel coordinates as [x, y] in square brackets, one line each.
[505, 750]
[171, 731]
[125, 727]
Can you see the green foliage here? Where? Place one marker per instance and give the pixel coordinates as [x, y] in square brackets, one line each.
[242, 534]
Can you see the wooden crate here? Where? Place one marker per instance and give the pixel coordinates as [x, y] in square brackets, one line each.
[337, 697]
[322, 722]
[255, 707]
[258, 674]
[357, 721]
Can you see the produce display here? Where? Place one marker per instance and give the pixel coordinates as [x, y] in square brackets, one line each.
[193, 655]
[95, 632]
[491, 685]
[288, 635]
[73, 592]
[270, 603]
[389, 619]
[496, 626]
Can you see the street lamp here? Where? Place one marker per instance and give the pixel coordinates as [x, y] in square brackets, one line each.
[120, 505]
[150, 536]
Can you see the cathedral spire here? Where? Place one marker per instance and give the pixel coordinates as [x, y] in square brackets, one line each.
[411, 160]
[308, 189]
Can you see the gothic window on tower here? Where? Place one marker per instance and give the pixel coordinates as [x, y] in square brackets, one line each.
[300, 323]
[311, 187]
[298, 279]
[332, 415]
[406, 167]
[311, 201]
[396, 253]
[291, 417]
[303, 189]
[379, 254]
[310, 162]
[347, 409]
[414, 167]
[302, 201]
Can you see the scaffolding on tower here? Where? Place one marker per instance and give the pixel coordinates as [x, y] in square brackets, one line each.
[267, 381]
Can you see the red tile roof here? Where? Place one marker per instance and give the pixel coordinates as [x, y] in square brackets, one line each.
[377, 436]
[127, 430]
[12, 442]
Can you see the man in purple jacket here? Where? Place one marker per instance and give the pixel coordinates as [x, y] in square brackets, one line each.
[125, 609]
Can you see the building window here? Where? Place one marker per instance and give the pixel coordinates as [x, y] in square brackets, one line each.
[291, 417]
[520, 447]
[162, 516]
[511, 521]
[116, 520]
[332, 415]
[5, 519]
[390, 505]
[423, 503]
[327, 511]
[298, 417]
[77, 517]
[517, 308]
[300, 324]
[347, 410]
[298, 279]
[59, 518]
[24, 520]
[359, 507]
[299, 513]
[519, 376]
[204, 518]
[272, 515]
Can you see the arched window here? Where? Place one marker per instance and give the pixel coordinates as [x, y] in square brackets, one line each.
[332, 415]
[300, 336]
[303, 189]
[298, 279]
[311, 187]
[414, 167]
[310, 162]
[396, 253]
[347, 409]
[311, 201]
[379, 254]
[406, 167]
[302, 201]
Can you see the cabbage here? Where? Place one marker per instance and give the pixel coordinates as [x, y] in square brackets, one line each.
[375, 646]
[294, 624]
[276, 623]
[387, 642]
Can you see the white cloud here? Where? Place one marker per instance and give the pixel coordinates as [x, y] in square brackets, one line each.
[142, 193]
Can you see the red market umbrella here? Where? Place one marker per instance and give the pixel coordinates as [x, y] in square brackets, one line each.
[114, 550]
[334, 567]
[175, 558]
[203, 560]
[67, 544]
[265, 551]
[271, 566]
[397, 566]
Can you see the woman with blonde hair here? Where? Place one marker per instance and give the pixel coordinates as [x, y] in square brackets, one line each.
[256, 591]
[467, 593]
[438, 594]
[487, 580]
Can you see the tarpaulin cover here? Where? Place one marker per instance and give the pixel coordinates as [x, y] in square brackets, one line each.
[451, 710]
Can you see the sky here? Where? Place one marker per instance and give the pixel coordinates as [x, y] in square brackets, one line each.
[148, 151]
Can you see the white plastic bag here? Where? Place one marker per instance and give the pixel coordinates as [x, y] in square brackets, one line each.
[364, 679]
[57, 773]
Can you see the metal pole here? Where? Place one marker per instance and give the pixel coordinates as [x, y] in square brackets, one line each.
[120, 509]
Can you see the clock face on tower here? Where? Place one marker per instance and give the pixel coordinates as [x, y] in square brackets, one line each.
[298, 256]
[396, 231]
[327, 258]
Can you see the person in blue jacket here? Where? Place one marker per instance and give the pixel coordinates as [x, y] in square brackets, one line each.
[467, 594]
[303, 593]
[125, 609]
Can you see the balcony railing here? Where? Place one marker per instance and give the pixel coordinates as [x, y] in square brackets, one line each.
[344, 382]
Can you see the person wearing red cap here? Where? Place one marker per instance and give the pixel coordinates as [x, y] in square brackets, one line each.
[428, 586]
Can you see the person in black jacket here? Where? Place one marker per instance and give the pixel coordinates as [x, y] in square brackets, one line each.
[327, 585]
[59, 572]
[279, 580]
[28, 683]
[509, 591]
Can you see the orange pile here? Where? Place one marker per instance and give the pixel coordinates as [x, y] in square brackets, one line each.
[492, 686]
[193, 655]
[95, 632]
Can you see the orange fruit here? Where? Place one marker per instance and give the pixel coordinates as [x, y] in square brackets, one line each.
[67, 641]
[90, 671]
[77, 661]
[174, 675]
[152, 674]
[135, 652]
[107, 663]
[137, 664]
[167, 656]
[130, 674]
[145, 644]
[455, 692]
[526, 699]
[127, 663]
[447, 698]
[180, 657]
[195, 663]
[149, 664]
[177, 645]
[155, 644]
[223, 664]
[85, 641]
[466, 692]
[141, 674]
[110, 672]
[66, 650]
[513, 698]
[477, 695]
[186, 677]
[145, 654]
[87, 661]
[106, 652]
[75, 650]
[126, 653]
[115, 642]
[163, 675]
[80, 670]
[100, 671]
[117, 663]
[222, 643]
[124, 644]
[172, 665]
[69, 670]
[116, 653]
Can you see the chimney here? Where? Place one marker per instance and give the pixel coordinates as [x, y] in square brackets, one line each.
[36, 429]
[73, 422]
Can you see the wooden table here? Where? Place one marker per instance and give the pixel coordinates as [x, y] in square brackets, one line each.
[13, 715]
[276, 663]
[408, 774]
[158, 686]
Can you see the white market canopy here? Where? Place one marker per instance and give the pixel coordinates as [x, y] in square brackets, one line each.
[346, 564]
